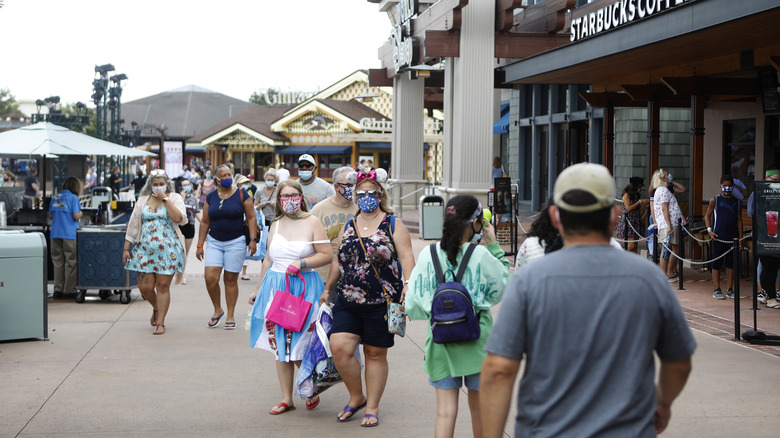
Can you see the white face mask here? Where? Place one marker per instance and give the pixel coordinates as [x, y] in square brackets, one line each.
[246, 186]
[159, 189]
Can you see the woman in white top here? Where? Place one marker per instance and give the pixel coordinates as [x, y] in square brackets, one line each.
[540, 239]
[297, 243]
[667, 213]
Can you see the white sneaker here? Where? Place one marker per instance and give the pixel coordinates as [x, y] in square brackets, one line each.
[773, 303]
[762, 297]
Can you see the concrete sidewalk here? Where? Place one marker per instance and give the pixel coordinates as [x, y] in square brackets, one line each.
[102, 373]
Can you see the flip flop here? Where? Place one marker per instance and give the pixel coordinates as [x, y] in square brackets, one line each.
[351, 411]
[230, 325]
[312, 403]
[155, 331]
[215, 321]
[370, 424]
[285, 408]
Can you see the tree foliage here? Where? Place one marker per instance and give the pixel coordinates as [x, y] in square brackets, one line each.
[8, 102]
[258, 96]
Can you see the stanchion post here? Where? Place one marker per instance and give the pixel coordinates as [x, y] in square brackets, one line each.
[681, 251]
[736, 289]
[625, 232]
[754, 255]
[655, 245]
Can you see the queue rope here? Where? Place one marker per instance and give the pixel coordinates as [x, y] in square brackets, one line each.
[716, 239]
[693, 262]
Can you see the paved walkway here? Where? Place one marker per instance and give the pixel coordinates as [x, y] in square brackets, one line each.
[102, 373]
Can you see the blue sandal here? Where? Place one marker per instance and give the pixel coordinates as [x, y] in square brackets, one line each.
[351, 411]
[370, 424]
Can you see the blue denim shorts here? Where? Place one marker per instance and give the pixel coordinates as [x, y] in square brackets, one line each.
[228, 255]
[449, 382]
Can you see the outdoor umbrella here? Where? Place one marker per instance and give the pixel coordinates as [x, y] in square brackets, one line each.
[47, 138]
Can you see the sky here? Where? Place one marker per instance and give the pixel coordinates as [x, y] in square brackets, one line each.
[234, 47]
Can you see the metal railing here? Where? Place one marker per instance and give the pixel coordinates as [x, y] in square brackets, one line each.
[396, 189]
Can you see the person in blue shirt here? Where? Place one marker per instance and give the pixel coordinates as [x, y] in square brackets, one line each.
[65, 212]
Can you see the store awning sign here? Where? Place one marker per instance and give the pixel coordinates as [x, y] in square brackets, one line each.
[405, 46]
[619, 14]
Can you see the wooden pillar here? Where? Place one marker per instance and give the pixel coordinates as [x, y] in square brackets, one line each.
[697, 157]
[654, 135]
[609, 138]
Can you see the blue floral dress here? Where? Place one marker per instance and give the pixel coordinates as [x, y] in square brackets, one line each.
[159, 250]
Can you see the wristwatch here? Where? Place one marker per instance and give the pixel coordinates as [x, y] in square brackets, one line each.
[165, 200]
[255, 239]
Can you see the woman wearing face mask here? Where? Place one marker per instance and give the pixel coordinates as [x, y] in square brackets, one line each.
[188, 230]
[450, 366]
[372, 245]
[632, 211]
[666, 213]
[264, 197]
[205, 187]
[159, 249]
[225, 213]
[297, 243]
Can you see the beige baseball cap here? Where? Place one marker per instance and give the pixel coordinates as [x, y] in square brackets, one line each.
[592, 178]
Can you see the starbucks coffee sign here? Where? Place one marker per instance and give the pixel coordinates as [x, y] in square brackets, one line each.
[405, 46]
[618, 14]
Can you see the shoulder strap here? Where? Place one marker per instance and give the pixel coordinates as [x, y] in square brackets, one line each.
[392, 224]
[464, 262]
[436, 263]
[241, 194]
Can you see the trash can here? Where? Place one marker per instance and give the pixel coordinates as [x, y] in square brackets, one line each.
[23, 294]
[100, 263]
[431, 217]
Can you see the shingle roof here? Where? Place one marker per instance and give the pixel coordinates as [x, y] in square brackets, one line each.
[185, 111]
[257, 118]
[352, 108]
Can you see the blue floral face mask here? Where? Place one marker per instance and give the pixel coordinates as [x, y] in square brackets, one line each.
[727, 190]
[367, 204]
[347, 193]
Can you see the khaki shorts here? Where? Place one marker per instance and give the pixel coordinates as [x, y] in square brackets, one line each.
[664, 232]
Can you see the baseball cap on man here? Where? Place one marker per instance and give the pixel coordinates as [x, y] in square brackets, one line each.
[593, 179]
[307, 158]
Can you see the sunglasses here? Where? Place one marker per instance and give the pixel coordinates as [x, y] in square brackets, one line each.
[157, 172]
[305, 165]
[221, 201]
[345, 186]
[371, 193]
[289, 196]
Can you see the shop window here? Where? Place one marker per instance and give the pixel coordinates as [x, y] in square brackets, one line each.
[739, 152]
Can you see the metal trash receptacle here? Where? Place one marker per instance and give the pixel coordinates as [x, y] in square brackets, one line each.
[100, 263]
[431, 217]
[23, 294]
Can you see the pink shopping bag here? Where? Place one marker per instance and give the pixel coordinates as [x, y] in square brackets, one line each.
[288, 311]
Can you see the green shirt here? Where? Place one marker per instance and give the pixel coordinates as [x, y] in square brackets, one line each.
[486, 276]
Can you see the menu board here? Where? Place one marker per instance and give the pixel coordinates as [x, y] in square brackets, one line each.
[767, 198]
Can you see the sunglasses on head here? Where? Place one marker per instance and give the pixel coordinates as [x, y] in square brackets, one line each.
[157, 172]
[371, 193]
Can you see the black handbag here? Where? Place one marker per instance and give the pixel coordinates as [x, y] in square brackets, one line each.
[247, 236]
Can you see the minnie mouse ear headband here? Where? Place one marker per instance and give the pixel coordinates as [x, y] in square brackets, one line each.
[451, 210]
[377, 175]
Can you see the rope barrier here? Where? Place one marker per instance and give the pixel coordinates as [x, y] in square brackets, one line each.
[716, 239]
[692, 262]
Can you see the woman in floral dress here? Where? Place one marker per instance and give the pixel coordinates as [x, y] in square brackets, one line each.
[159, 250]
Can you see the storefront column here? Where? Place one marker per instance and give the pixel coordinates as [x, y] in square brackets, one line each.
[407, 161]
[470, 148]
[595, 150]
[609, 138]
[697, 157]
[654, 135]
[536, 149]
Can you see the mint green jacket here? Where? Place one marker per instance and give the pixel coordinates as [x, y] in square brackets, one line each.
[486, 277]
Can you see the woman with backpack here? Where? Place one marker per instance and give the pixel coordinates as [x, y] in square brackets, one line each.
[484, 275]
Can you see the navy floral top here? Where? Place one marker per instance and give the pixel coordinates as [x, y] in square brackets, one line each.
[358, 283]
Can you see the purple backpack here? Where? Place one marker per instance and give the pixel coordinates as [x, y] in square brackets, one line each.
[453, 315]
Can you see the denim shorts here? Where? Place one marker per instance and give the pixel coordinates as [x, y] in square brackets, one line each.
[228, 255]
[449, 382]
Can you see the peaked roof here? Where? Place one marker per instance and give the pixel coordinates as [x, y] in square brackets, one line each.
[185, 111]
[258, 118]
[351, 109]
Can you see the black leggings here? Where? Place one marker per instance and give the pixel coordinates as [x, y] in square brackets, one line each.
[770, 266]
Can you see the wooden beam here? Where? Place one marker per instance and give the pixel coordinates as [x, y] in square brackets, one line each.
[701, 86]
[647, 92]
[697, 155]
[548, 16]
[379, 77]
[654, 134]
[774, 61]
[435, 80]
[438, 43]
[523, 45]
[606, 99]
[505, 14]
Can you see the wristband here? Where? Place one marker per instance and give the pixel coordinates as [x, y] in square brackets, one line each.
[709, 229]
[303, 262]
[198, 246]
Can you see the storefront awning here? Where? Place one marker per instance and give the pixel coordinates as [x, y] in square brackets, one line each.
[502, 125]
[298, 150]
[382, 145]
[194, 149]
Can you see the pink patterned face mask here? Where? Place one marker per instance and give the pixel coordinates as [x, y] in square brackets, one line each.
[291, 205]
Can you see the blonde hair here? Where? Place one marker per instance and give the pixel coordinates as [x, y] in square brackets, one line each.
[384, 204]
[655, 180]
[278, 212]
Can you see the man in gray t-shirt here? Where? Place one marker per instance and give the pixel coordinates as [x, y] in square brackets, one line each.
[315, 189]
[587, 320]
